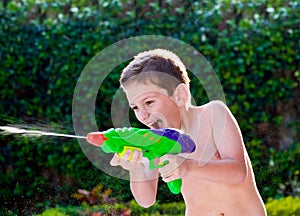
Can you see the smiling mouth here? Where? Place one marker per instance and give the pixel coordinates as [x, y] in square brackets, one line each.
[157, 124]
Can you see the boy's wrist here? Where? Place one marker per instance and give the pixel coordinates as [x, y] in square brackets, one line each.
[137, 174]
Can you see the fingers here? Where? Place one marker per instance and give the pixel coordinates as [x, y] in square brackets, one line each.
[128, 161]
[175, 169]
[169, 175]
[169, 178]
[115, 161]
[136, 156]
[173, 163]
[166, 171]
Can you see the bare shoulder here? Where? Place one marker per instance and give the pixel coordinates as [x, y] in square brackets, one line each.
[226, 131]
[218, 105]
[213, 103]
[216, 108]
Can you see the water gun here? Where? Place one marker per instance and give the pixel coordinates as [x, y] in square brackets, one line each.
[153, 143]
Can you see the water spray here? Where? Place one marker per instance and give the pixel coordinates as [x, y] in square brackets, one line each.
[14, 130]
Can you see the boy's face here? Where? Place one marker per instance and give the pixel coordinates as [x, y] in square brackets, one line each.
[152, 105]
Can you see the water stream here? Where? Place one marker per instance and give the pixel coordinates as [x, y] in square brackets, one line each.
[14, 130]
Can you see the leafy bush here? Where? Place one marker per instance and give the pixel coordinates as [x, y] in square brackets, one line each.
[168, 209]
[56, 211]
[85, 210]
[288, 206]
[284, 168]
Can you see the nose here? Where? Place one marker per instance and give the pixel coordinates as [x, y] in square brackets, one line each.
[143, 115]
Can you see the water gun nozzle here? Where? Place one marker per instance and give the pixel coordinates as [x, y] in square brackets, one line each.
[96, 138]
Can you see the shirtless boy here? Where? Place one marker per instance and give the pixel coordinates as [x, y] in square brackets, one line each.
[217, 179]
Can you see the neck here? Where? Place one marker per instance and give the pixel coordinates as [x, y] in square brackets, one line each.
[189, 118]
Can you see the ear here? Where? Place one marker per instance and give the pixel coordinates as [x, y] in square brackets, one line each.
[180, 95]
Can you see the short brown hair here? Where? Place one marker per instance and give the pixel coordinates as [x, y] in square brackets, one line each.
[161, 67]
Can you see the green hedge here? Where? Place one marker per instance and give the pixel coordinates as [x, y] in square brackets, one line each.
[253, 46]
[288, 206]
[168, 209]
[116, 209]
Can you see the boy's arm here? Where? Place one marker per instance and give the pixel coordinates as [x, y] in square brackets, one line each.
[143, 182]
[231, 167]
[144, 191]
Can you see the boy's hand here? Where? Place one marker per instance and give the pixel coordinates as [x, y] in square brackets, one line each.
[176, 168]
[137, 166]
[128, 163]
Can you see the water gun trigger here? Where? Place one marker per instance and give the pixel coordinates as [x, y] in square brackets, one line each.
[132, 149]
[160, 165]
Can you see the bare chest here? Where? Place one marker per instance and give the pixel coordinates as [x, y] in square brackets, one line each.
[206, 147]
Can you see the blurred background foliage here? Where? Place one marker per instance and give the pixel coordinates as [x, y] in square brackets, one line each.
[253, 46]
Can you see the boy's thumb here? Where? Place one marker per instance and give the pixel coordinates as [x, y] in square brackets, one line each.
[115, 161]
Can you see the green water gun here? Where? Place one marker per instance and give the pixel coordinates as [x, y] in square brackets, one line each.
[153, 143]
